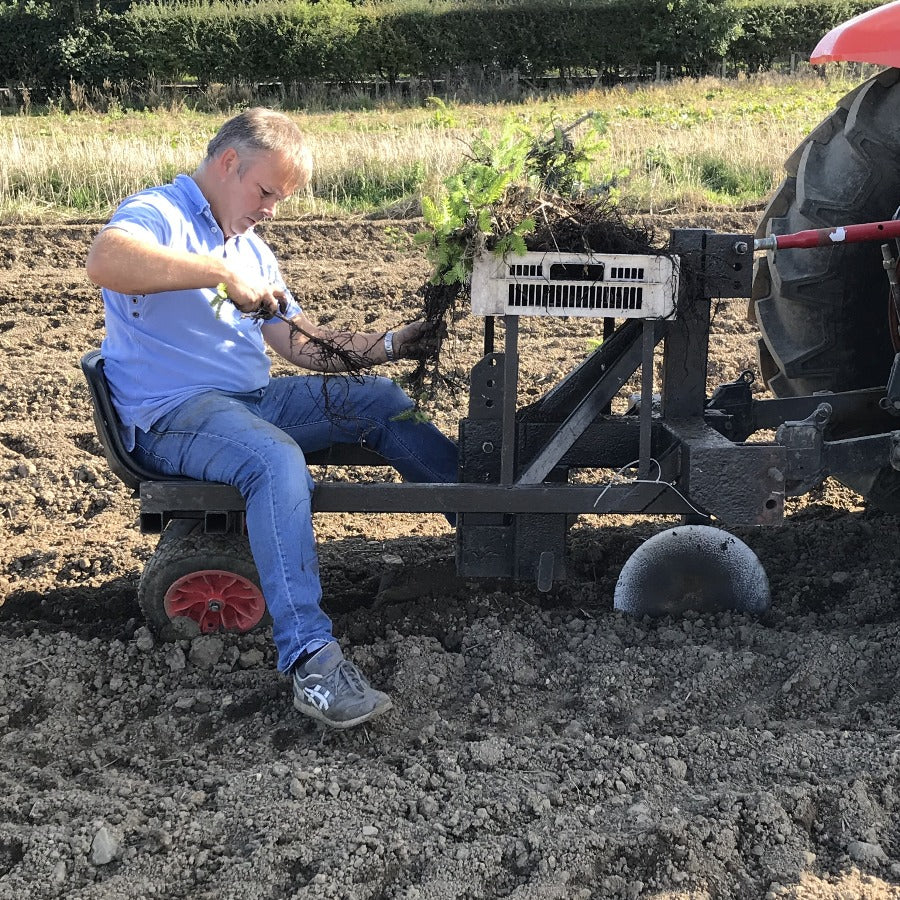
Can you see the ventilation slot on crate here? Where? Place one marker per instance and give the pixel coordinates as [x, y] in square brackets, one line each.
[559, 297]
[526, 271]
[633, 274]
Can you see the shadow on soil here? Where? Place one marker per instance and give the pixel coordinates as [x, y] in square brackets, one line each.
[396, 576]
[106, 610]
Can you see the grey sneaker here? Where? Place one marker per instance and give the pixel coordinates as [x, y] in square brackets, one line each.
[333, 691]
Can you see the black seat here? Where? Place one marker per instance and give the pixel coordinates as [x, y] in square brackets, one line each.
[132, 473]
[106, 421]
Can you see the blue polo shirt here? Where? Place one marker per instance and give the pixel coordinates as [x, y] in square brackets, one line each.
[162, 348]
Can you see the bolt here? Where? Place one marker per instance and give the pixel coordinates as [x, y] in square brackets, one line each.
[741, 247]
[487, 447]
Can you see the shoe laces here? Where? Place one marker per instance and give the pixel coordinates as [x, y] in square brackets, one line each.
[349, 674]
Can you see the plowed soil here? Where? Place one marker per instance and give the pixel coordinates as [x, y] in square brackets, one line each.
[542, 745]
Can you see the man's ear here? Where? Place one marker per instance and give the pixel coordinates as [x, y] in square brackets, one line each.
[228, 161]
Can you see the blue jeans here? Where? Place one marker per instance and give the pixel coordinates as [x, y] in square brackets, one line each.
[255, 441]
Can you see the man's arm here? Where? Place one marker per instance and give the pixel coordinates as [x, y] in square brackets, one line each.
[127, 264]
[296, 342]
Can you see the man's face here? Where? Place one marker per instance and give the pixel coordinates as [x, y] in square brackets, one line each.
[249, 187]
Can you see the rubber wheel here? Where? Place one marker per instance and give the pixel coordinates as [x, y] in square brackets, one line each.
[823, 312]
[197, 583]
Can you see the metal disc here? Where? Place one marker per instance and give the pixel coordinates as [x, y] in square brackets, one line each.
[692, 567]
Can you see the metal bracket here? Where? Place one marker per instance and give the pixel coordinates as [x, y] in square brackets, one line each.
[805, 442]
[734, 400]
[720, 264]
[739, 484]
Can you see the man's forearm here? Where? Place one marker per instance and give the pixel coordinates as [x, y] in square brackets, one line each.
[354, 350]
[322, 350]
[128, 265]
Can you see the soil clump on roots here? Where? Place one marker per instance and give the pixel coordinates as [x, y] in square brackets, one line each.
[573, 225]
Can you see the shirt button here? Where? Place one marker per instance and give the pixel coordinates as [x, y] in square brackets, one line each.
[136, 314]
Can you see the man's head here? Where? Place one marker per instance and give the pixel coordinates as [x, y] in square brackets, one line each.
[255, 160]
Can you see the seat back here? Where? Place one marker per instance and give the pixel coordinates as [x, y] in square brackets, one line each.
[106, 422]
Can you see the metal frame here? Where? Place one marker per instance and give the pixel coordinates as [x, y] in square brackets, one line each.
[514, 500]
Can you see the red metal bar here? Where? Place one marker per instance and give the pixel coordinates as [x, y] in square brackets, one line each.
[823, 237]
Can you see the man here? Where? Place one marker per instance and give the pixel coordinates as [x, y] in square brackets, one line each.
[190, 379]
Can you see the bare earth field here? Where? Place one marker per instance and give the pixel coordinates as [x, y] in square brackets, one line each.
[542, 745]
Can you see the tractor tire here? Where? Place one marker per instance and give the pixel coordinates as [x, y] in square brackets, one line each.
[823, 312]
[198, 583]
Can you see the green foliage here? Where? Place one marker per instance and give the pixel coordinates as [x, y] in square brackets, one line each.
[370, 187]
[730, 183]
[45, 45]
[774, 29]
[415, 413]
[220, 298]
[722, 180]
[443, 114]
[559, 164]
[658, 161]
[462, 220]
[695, 34]
[462, 215]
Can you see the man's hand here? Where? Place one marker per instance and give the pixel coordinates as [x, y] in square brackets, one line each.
[418, 340]
[253, 297]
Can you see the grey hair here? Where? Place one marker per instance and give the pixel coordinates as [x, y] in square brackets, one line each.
[260, 129]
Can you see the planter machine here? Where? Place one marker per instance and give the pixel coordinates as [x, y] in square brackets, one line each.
[830, 352]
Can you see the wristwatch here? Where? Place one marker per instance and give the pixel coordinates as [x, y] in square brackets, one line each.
[389, 346]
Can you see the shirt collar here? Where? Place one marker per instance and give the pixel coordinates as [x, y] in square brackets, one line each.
[194, 196]
[199, 204]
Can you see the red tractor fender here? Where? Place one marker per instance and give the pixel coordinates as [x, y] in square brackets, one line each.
[872, 37]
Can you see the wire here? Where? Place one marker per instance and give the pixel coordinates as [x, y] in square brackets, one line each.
[658, 480]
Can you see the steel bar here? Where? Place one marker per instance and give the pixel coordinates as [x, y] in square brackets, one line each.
[613, 363]
[594, 399]
[591, 405]
[855, 410]
[646, 411]
[510, 396]
[657, 498]
[825, 237]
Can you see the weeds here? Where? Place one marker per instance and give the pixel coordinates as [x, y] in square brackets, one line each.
[373, 186]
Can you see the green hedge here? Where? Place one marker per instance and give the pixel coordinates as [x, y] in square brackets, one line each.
[773, 29]
[43, 48]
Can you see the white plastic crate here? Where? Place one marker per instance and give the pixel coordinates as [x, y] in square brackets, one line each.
[574, 284]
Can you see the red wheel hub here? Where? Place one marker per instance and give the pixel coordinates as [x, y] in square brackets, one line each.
[216, 600]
